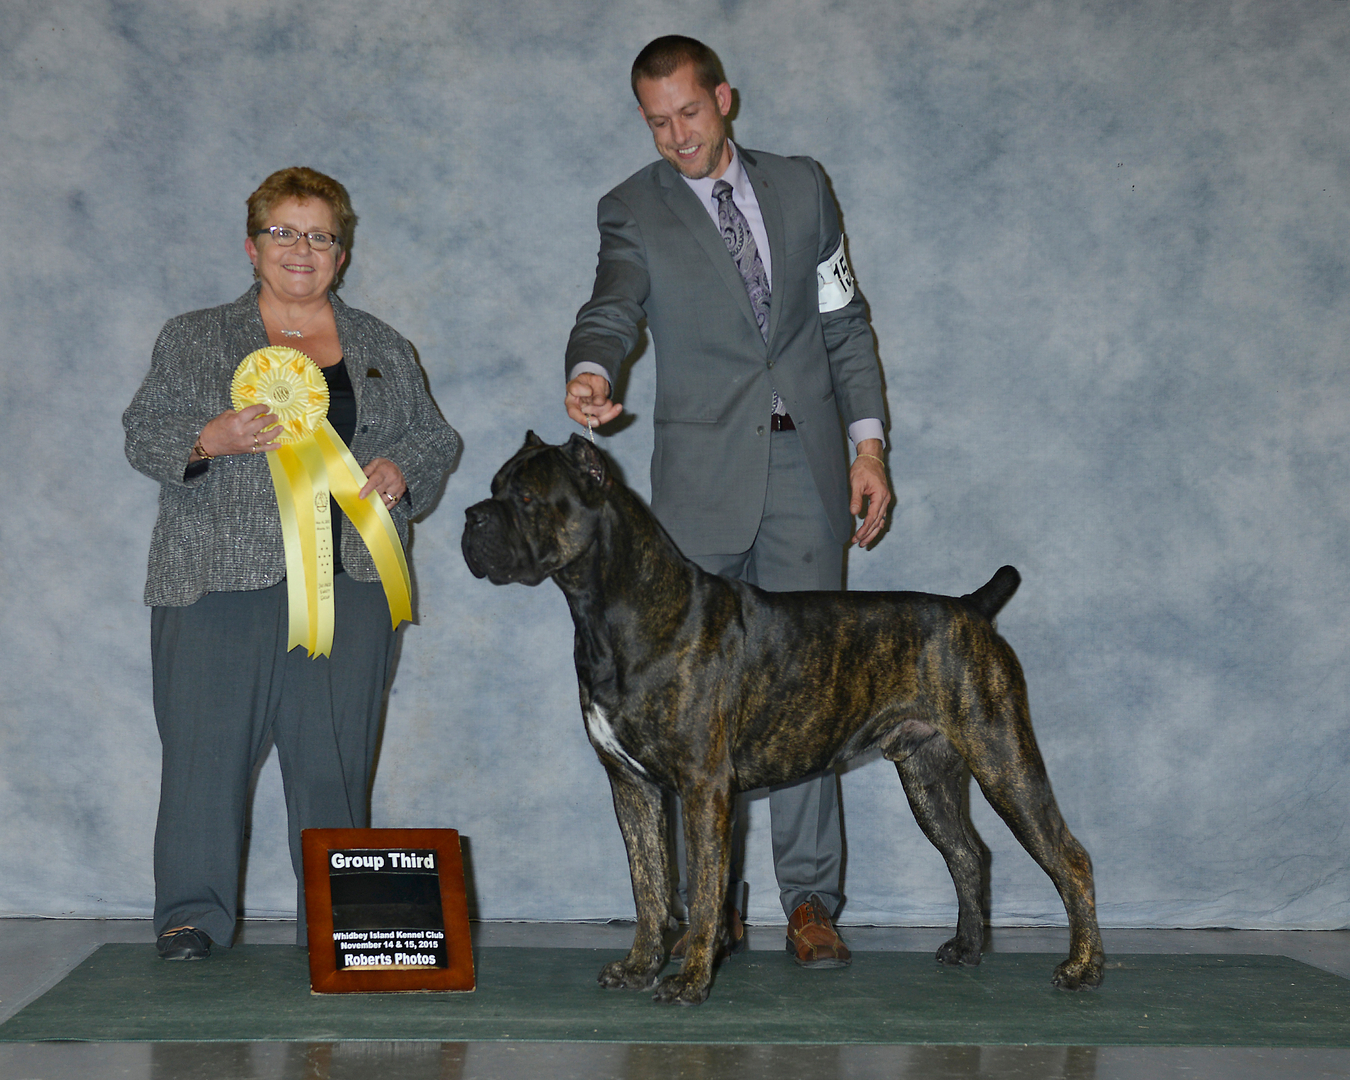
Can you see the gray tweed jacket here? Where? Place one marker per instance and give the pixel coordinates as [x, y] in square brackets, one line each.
[220, 532]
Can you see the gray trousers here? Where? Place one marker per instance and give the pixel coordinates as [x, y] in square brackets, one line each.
[794, 550]
[224, 687]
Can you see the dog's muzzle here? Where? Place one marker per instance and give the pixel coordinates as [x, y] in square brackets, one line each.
[485, 543]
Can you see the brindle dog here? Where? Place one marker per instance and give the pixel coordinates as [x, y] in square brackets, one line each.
[704, 686]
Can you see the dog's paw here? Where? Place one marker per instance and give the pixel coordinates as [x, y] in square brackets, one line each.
[680, 990]
[1077, 975]
[619, 975]
[957, 953]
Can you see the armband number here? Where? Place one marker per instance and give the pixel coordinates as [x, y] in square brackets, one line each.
[834, 281]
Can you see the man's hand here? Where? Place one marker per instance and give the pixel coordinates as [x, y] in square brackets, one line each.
[588, 401]
[867, 482]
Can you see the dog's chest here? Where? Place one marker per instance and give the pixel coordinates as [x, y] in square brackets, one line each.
[603, 735]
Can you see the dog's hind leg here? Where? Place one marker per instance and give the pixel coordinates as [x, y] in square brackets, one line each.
[1008, 766]
[641, 811]
[932, 775]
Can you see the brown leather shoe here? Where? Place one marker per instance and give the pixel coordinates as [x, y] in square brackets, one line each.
[812, 939]
[733, 938]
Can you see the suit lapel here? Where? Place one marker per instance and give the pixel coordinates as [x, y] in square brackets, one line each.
[684, 204]
[771, 210]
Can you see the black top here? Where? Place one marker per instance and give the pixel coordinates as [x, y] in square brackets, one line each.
[342, 415]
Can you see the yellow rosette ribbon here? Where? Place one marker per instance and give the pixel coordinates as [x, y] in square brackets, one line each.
[312, 462]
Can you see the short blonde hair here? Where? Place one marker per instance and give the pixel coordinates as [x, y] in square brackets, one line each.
[299, 182]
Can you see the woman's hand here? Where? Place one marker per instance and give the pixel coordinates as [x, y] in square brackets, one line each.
[248, 431]
[385, 478]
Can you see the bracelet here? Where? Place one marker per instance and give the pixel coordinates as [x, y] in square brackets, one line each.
[197, 449]
[872, 456]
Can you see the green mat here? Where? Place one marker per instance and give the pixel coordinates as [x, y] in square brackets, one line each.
[261, 992]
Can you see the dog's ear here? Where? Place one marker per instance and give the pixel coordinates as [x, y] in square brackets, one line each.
[531, 439]
[587, 459]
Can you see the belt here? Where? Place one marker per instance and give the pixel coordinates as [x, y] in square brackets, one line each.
[781, 422]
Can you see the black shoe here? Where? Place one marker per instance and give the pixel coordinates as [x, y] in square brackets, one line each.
[185, 944]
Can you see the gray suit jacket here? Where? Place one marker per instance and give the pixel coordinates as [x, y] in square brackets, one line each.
[220, 531]
[663, 259]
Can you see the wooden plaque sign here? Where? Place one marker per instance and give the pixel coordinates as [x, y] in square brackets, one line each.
[386, 911]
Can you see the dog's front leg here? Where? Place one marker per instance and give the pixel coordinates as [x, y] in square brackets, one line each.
[641, 811]
[707, 844]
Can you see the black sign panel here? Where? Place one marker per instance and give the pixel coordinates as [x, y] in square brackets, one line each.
[387, 911]
[386, 908]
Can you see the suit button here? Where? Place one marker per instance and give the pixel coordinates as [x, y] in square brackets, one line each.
[759, 430]
[770, 363]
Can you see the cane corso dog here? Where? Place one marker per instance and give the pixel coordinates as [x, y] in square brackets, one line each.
[704, 686]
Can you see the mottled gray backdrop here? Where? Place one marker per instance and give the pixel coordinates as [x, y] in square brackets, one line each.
[1104, 243]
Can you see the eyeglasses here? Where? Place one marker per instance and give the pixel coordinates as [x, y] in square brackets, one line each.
[319, 241]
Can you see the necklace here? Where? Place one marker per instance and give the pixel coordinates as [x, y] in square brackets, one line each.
[294, 333]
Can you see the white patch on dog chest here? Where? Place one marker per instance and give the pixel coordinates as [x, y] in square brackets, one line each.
[602, 734]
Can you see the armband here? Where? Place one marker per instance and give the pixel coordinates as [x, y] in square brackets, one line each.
[834, 281]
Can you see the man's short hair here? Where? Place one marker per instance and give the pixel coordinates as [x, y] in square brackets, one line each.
[666, 55]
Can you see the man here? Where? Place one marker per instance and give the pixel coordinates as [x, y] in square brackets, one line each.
[736, 261]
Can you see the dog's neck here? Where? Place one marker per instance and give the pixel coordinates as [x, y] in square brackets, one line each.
[610, 589]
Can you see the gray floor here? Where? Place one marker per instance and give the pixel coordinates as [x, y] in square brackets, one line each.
[35, 954]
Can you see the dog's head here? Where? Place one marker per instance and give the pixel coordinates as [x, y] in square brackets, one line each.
[543, 513]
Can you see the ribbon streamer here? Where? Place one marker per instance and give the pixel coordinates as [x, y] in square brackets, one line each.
[312, 462]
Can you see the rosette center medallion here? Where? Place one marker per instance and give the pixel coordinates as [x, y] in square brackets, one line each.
[289, 383]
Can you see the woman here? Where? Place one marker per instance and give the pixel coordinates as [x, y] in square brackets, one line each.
[224, 682]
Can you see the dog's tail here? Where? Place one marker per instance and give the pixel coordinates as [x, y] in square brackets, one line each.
[989, 598]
